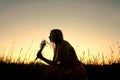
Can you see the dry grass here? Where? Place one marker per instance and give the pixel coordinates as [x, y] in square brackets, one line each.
[99, 59]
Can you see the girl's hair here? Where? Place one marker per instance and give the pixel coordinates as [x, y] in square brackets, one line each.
[56, 35]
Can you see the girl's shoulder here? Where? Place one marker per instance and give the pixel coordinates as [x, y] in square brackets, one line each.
[66, 42]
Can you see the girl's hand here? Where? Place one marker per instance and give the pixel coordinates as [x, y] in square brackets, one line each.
[42, 45]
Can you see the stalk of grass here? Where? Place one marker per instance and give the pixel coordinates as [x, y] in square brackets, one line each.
[19, 57]
[118, 51]
[25, 58]
[103, 60]
[83, 56]
[2, 58]
[11, 51]
[95, 60]
[8, 56]
[89, 55]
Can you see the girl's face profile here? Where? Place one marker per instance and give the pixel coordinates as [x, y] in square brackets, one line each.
[51, 37]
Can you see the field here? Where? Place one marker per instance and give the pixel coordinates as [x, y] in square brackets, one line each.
[34, 70]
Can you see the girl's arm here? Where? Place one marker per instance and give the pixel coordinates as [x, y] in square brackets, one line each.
[39, 55]
[48, 61]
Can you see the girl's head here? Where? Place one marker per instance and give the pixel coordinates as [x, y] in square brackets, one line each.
[56, 35]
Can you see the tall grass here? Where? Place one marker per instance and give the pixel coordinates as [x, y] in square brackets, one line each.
[99, 59]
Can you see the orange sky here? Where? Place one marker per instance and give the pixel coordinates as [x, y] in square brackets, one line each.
[86, 25]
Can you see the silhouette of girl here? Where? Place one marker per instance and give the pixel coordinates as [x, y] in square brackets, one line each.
[65, 64]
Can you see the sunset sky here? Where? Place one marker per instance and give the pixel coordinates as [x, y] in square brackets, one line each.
[86, 24]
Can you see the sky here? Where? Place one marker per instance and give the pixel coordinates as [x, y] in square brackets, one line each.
[86, 24]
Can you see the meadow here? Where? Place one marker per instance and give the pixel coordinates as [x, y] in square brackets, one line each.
[96, 66]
